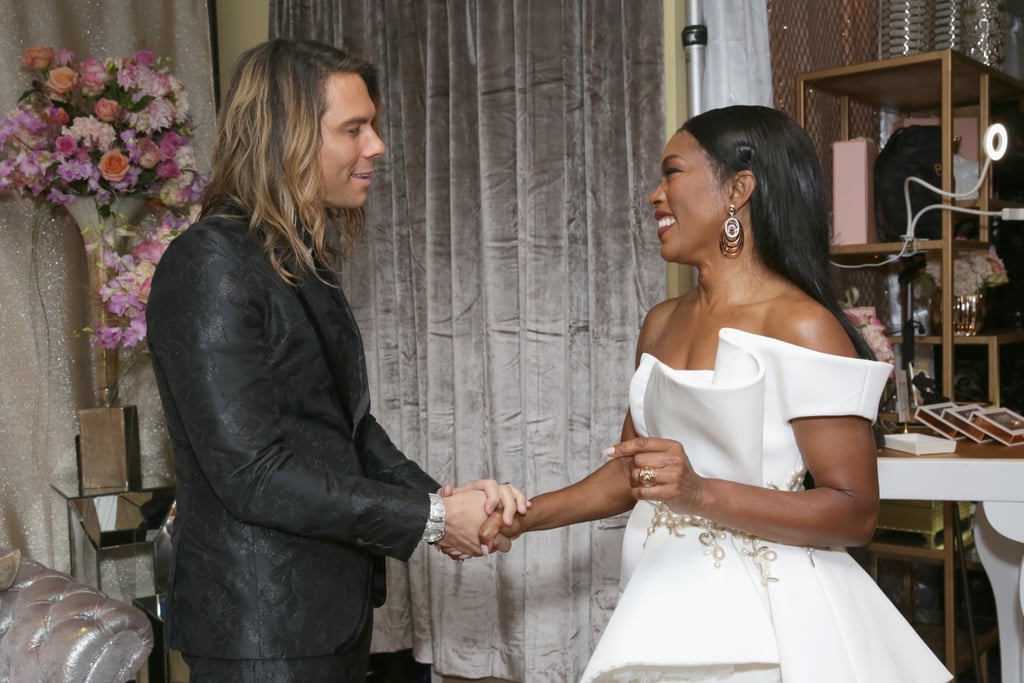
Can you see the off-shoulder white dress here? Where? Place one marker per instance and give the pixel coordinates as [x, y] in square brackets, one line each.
[706, 603]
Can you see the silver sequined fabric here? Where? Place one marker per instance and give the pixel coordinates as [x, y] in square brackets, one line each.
[44, 364]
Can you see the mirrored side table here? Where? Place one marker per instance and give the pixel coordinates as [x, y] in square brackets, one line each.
[105, 525]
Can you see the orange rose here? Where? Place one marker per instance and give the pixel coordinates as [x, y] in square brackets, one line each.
[61, 80]
[113, 166]
[38, 57]
[106, 110]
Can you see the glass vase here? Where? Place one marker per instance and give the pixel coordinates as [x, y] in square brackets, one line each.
[108, 445]
[92, 226]
[968, 314]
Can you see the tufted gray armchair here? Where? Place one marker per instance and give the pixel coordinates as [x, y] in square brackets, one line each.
[57, 630]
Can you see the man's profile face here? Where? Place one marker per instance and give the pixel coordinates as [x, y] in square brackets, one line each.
[349, 144]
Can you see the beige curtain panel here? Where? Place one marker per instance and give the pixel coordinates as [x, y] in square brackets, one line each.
[509, 260]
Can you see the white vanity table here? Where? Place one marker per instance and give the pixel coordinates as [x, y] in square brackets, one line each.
[992, 476]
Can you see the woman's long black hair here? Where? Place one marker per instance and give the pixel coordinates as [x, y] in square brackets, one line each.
[788, 210]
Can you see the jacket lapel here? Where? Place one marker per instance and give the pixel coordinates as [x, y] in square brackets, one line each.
[331, 316]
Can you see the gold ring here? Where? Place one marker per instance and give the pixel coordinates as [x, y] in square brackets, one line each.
[647, 477]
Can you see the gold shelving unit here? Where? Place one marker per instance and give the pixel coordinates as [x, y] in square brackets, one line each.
[938, 84]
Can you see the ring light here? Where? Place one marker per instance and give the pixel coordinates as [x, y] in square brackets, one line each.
[995, 141]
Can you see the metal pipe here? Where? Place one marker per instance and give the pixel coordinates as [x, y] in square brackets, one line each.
[695, 40]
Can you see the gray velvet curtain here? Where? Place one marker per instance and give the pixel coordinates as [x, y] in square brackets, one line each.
[509, 259]
[44, 361]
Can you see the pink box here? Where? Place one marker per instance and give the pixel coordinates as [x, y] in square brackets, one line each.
[853, 196]
[964, 127]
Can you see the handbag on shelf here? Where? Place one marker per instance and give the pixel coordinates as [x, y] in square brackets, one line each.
[911, 151]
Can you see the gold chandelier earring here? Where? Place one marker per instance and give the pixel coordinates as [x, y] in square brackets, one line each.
[731, 241]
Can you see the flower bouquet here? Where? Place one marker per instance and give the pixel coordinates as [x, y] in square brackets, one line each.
[870, 327]
[973, 271]
[131, 265]
[109, 129]
[101, 138]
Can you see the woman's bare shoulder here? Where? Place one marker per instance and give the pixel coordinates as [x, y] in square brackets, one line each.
[657, 320]
[803, 321]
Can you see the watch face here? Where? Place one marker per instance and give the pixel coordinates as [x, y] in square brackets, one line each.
[433, 533]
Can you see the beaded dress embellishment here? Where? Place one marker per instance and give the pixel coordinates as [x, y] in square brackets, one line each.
[711, 534]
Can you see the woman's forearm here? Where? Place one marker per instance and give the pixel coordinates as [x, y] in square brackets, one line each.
[603, 493]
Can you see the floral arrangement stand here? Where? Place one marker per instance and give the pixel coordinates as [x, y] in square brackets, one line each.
[102, 139]
[108, 445]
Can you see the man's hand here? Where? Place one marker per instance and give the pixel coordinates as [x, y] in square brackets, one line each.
[505, 497]
[463, 515]
[501, 500]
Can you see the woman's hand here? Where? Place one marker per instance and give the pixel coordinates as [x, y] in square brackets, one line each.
[504, 497]
[495, 534]
[659, 469]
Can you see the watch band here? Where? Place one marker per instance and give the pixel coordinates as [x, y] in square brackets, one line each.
[434, 531]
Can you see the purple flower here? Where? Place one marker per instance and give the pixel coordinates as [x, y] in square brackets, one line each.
[59, 198]
[29, 165]
[168, 169]
[108, 337]
[71, 170]
[170, 143]
[135, 332]
[118, 303]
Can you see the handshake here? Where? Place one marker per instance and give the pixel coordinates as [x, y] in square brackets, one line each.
[482, 516]
[475, 515]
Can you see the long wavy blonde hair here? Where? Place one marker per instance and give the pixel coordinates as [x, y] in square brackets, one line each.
[266, 154]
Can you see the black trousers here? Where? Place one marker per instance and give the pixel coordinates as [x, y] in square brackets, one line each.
[349, 666]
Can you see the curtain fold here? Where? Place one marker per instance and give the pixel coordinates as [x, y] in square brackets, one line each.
[509, 259]
[738, 65]
[43, 286]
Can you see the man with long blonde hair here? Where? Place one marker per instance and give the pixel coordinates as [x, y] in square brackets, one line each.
[290, 494]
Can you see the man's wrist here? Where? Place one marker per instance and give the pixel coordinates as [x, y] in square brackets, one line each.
[434, 530]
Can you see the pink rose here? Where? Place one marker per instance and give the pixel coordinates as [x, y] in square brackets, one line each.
[61, 80]
[107, 110]
[148, 153]
[149, 250]
[58, 116]
[113, 166]
[38, 57]
[144, 58]
[66, 145]
[94, 77]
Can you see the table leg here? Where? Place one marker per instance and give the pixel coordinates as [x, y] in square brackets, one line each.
[998, 535]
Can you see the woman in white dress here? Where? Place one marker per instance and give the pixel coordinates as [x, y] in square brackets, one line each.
[732, 568]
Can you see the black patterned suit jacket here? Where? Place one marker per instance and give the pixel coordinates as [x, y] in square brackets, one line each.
[289, 493]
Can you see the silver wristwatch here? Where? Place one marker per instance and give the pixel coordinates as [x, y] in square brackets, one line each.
[434, 530]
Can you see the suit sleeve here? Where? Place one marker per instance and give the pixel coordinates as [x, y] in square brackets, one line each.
[207, 319]
[385, 462]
